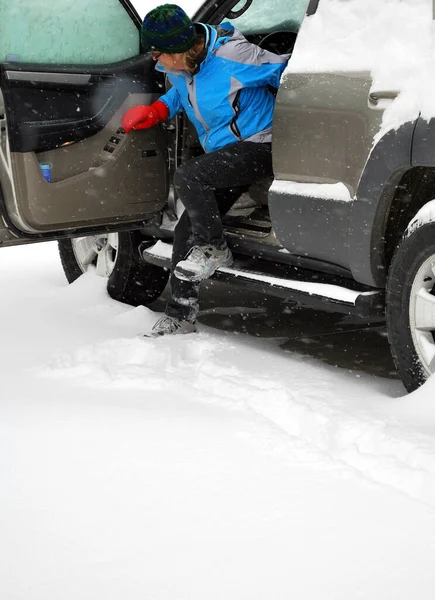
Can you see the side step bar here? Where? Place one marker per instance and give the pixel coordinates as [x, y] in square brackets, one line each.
[301, 286]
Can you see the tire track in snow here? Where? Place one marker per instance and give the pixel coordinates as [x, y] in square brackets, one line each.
[299, 398]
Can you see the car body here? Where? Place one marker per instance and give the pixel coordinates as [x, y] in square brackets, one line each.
[353, 157]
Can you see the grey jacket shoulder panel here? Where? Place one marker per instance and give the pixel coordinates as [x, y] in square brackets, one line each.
[238, 49]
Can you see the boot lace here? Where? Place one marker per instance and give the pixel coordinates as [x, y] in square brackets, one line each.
[166, 325]
[198, 255]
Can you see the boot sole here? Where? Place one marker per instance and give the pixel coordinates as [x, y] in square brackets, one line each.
[155, 336]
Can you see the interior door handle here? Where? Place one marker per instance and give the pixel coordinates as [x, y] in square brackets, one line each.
[375, 97]
[105, 81]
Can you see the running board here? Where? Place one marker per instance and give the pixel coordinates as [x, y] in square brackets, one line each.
[256, 223]
[305, 289]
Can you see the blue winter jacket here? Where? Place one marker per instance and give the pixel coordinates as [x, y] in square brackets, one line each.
[227, 98]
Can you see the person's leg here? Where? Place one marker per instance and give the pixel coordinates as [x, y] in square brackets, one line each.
[197, 180]
[198, 183]
[184, 302]
[226, 175]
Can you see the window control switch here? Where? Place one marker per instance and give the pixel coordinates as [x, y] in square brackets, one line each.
[114, 140]
[108, 148]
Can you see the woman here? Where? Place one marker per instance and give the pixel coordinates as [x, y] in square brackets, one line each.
[221, 81]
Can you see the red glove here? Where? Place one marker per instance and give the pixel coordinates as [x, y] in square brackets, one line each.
[143, 117]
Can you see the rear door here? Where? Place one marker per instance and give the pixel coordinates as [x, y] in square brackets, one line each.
[325, 123]
[68, 71]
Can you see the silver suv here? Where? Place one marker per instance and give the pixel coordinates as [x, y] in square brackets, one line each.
[348, 222]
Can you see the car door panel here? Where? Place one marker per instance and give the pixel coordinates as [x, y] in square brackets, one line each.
[331, 128]
[324, 128]
[63, 91]
[47, 106]
[71, 118]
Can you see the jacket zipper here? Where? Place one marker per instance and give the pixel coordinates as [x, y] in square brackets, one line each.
[197, 112]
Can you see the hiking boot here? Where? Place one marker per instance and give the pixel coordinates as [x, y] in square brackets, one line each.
[171, 326]
[201, 262]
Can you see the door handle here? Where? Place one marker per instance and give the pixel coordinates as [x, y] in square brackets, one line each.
[375, 97]
[105, 81]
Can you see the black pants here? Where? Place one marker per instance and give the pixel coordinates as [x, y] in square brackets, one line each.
[208, 186]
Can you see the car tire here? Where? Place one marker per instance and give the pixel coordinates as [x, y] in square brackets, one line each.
[410, 309]
[129, 279]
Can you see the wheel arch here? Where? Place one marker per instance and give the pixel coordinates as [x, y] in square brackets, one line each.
[415, 190]
[385, 169]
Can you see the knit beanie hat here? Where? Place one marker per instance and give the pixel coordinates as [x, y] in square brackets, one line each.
[168, 29]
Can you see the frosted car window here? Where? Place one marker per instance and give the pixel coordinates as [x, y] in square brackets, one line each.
[264, 16]
[66, 32]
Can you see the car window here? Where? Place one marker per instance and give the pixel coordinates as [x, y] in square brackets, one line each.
[66, 32]
[265, 16]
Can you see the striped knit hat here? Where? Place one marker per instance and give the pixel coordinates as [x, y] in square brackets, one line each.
[168, 29]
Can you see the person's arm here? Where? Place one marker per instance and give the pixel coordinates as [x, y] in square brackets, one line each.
[251, 65]
[172, 101]
[144, 117]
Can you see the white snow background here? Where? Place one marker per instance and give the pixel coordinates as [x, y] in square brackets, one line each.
[213, 465]
[210, 466]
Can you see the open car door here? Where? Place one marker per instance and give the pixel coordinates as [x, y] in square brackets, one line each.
[67, 74]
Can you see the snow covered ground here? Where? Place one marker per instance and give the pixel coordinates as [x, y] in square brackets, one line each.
[214, 466]
[207, 466]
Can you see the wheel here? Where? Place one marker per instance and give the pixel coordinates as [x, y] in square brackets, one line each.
[410, 306]
[114, 255]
